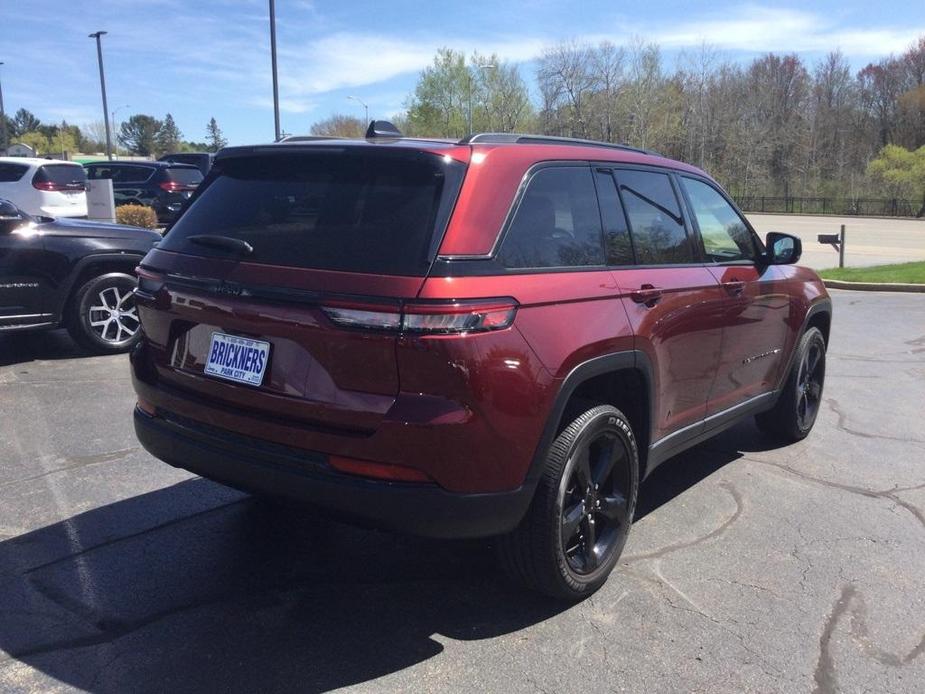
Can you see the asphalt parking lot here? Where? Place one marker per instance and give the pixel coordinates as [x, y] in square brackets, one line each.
[750, 567]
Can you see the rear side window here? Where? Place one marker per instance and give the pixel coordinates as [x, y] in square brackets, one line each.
[183, 175]
[61, 176]
[724, 233]
[10, 173]
[557, 222]
[132, 174]
[363, 211]
[654, 217]
[617, 245]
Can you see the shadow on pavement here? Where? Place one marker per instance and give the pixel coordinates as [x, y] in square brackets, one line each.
[196, 587]
[20, 348]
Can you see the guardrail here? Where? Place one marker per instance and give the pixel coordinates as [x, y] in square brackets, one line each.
[861, 207]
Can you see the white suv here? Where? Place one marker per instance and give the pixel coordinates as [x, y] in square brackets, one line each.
[44, 187]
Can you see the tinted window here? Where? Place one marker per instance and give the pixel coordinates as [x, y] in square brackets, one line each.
[617, 244]
[12, 172]
[360, 211]
[725, 236]
[186, 176]
[64, 175]
[557, 222]
[654, 217]
[132, 174]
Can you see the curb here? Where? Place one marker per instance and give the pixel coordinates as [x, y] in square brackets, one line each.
[874, 286]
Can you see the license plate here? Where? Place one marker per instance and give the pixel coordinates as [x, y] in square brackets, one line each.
[238, 359]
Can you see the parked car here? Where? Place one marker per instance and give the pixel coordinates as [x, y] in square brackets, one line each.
[164, 186]
[500, 336]
[202, 160]
[44, 187]
[72, 273]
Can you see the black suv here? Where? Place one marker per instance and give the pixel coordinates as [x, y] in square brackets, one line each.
[74, 273]
[162, 185]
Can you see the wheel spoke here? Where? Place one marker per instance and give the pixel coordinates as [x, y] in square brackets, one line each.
[583, 470]
[590, 555]
[613, 507]
[570, 522]
[607, 459]
[813, 360]
[98, 323]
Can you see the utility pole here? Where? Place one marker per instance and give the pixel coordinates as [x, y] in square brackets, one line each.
[364, 105]
[6, 136]
[273, 61]
[99, 55]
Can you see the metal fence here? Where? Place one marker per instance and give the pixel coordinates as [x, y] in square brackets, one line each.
[872, 207]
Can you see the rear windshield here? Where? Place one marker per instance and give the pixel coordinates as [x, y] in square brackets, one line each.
[67, 175]
[183, 175]
[376, 212]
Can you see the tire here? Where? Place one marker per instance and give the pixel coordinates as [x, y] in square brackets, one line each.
[102, 316]
[543, 553]
[793, 415]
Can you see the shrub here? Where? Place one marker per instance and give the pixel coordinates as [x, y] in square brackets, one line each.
[136, 216]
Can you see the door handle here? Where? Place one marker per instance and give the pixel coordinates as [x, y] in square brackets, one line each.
[647, 295]
[735, 287]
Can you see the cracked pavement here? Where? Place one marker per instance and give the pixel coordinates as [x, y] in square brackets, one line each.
[750, 567]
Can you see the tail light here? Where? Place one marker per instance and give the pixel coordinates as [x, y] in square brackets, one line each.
[427, 318]
[52, 187]
[174, 187]
[150, 289]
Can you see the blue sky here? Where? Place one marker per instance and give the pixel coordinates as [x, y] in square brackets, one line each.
[203, 58]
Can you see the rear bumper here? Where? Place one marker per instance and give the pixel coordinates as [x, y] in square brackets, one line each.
[257, 466]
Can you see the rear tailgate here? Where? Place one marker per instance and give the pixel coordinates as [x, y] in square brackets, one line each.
[254, 267]
[316, 373]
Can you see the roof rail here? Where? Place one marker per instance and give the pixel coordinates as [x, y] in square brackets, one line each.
[518, 138]
[308, 138]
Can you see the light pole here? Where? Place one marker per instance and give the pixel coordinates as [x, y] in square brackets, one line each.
[6, 136]
[273, 62]
[359, 101]
[469, 75]
[99, 55]
[114, 123]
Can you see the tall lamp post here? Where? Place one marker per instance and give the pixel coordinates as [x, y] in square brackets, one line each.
[99, 55]
[273, 62]
[487, 66]
[6, 136]
[352, 98]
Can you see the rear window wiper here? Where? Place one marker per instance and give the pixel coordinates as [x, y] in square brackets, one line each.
[227, 243]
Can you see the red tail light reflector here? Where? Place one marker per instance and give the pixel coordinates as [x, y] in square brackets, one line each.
[382, 471]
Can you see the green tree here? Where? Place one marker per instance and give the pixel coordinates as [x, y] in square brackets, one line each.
[35, 140]
[902, 171]
[438, 106]
[139, 134]
[214, 138]
[24, 122]
[169, 136]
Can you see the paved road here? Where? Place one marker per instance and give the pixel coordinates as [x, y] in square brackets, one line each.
[750, 567]
[870, 241]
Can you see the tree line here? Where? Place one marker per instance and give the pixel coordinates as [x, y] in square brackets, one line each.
[773, 126]
[139, 135]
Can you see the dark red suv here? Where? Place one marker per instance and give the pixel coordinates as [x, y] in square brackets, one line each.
[499, 336]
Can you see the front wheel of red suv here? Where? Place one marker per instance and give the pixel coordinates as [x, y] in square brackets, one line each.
[579, 520]
[794, 414]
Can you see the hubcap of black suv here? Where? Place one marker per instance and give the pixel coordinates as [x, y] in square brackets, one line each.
[113, 316]
[594, 506]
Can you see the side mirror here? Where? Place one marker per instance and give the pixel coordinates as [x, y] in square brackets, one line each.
[10, 216]
[783, 249]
